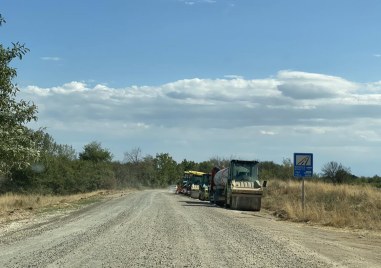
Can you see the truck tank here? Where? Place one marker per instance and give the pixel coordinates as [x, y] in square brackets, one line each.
[221, 177]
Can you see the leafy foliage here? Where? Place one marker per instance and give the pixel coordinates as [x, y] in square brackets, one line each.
[95, 153]
[59, 171]
[49, 148]
[375, 181]
[269, 170]
[165, 169]
[17, 142]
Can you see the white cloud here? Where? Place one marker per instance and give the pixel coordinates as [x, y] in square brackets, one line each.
[199, 118]
[266, 132]
[191, 3]
[300, 85]
[377, 55]
[233, 76]
[51, 58]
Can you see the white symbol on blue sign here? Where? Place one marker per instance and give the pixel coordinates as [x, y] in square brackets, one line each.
[303, 165]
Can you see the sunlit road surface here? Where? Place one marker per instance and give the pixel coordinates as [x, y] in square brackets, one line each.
[155, 228]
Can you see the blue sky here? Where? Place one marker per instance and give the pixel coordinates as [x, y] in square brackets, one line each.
[252, 79]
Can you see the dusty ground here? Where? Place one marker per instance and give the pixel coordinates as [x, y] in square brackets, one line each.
[155, 228]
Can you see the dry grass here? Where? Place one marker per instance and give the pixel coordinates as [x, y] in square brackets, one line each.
[16, 206]
[326, 204]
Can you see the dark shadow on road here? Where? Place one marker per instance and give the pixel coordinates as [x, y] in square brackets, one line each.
[197, 203]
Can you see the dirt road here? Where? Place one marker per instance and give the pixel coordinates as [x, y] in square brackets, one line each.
[155, 228]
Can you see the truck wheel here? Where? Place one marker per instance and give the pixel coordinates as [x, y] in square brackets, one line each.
[230, 203]
[215, 199]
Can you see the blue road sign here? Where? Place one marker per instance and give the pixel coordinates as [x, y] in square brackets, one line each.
[303, 165]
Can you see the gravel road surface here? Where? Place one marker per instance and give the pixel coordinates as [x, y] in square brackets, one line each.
[155, 228]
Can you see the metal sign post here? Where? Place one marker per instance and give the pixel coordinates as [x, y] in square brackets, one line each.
[303, 167]
[303, 197]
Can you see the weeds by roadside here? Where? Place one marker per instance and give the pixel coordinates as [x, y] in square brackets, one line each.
[19, 206]
[326, 204]
[339, 206]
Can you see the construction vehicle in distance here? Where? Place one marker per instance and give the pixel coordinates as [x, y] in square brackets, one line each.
[237, 187]
[182, 184]
[203, 193]
[192, 181]
[186, 181]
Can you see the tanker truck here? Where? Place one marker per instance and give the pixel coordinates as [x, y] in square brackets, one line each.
[237, 186]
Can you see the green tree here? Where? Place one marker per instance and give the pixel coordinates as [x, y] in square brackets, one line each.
[17, 142]
[95, 153]
[205, 166]
[52, 173]
[188, 165]
[49, 148]
[270, 170]
[287, 169]
[147, 175]
[166, 169]
[375, 180]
